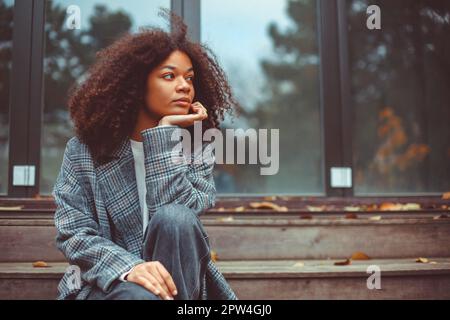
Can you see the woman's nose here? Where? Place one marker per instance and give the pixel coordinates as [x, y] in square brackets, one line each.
[183, 85]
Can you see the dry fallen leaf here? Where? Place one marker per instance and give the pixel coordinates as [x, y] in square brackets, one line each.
[343, 263]
[422, 260]
[239, 209]
[389, 206]
[433, 262]
[351, 216]
[306, 216]
[40, 264]
[360, 256]
[316, 209]
[446, 196]
[214, 256]
[299, 264]
[270, 198]
[11, 208]
[442, 216]
[410, 206]
[226, 219]
[375, 218]
[221, 209]
[352, 208]
[267, 205]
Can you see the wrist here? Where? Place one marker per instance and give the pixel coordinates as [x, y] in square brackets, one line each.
[163, 122]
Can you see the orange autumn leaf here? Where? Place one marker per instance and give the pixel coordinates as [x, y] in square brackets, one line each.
[389, 206]
[214, 256]
[343, 263]
[40, 264]
[267, 205]
[422, 260]
[351, 216]
[446, 196]
[360, 256]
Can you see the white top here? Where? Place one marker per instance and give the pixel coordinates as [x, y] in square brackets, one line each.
[138, 154]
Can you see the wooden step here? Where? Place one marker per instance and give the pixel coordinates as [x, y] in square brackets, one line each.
[270, 279]
[266, 238]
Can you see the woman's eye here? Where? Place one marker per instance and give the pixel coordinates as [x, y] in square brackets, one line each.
[191, 78]
[167, 75]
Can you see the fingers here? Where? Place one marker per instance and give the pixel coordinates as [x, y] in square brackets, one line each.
[159, 286]
[200, 109]
[167, 278]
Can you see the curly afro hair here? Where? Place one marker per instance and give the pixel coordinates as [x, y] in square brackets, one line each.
[105, 107]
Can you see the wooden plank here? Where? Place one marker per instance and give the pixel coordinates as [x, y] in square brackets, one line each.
[400, 279]
[250, 239]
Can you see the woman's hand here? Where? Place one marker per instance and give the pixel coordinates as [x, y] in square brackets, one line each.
[154, 277]
[200, 114]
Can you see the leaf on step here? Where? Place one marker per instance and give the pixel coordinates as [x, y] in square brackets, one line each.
[270, 198]
[306, 216]
[299, 264]
[370, 207]
[214, 256]
[389, 206]
[422, 260]
[352, 208]
[239, 209]
[267, 205]
[442, 216]
[40, 264]
[316, 209]
[343, 263]
[375, 218]
[221, 209]
[351, 216]
[446, 195]
[410, 206]
[226, 219]
[360, 256]
[11, 208]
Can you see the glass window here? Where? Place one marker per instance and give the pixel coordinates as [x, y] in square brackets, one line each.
[69, 53]
[400, 77]
[6, 31]
[271, 58]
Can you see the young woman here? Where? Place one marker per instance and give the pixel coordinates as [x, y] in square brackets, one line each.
[127, 214]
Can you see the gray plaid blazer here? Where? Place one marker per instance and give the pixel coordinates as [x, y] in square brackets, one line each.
[98, 216]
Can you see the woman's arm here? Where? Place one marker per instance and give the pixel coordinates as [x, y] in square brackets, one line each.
[182, 182]
[101, 261]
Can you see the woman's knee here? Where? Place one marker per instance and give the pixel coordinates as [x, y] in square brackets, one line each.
[131, 291]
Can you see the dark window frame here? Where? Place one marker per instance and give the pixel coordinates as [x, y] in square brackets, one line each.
[27, 90]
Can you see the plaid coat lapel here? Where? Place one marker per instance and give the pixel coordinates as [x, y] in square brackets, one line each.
[118, 186]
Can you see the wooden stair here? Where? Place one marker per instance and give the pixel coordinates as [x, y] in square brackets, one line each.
[268, 255]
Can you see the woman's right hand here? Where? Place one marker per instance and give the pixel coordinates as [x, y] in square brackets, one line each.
[154, 277]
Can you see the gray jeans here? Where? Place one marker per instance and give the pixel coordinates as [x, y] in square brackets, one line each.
[176, 238]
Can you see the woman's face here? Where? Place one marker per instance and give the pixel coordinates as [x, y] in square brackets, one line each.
[170, 81]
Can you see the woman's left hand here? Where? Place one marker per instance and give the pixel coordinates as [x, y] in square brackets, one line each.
[200, 114]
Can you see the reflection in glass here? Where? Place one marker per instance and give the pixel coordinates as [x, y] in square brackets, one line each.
[400, 90]
[6, 31]
[271, 59]
[69, 53]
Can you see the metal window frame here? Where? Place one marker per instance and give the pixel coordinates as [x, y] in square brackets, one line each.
[334, 92]
[26, 92]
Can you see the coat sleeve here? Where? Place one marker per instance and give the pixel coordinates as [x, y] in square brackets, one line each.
[100, 260]
[190, 183]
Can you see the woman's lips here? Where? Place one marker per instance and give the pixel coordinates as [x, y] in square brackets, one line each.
[182, 103]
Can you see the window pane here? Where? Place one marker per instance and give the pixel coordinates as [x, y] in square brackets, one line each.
[68, 55]
[401, 97]
[271, 58]
[6, 30]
